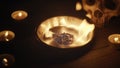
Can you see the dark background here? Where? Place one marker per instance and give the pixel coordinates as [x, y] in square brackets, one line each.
[29, 52]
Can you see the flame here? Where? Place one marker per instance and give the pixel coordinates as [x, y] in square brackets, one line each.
[19, 14]
[6, 33]
[78, 6]
[114, 38]
[6, 36]
[81, 30]
[5, 61]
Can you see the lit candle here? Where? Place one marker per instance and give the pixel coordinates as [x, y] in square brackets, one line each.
[6, 35]
[7, 60]
[114, 38]
[19, 15]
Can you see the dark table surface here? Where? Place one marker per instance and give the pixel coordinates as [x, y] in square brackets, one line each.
[29, 52]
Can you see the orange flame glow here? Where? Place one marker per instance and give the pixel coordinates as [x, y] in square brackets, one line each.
[81, 31]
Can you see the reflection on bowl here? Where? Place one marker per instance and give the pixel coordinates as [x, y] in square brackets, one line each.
[65, 32]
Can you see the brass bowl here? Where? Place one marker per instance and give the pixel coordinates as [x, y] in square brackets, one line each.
[65, 32]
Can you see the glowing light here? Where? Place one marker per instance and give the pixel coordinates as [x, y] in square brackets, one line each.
[6, 35]
[114, 38]
[6, 60]
[78, 6]
[19, 15]
[65, 32]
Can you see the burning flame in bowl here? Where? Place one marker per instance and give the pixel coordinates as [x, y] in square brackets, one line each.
[65, 32]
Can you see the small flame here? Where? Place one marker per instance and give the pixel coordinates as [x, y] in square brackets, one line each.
[84, 30]
[6, 36]
[19, 14]
[114, 38]
[5, 61]
[6, 33]
[78, 6]
[81, 30]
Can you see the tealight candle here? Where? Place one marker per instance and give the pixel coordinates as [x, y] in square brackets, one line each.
[114, 38]
[19, 15]
[6, 35]
[6, 60]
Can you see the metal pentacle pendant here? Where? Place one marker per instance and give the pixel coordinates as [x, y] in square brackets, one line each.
[63, 39]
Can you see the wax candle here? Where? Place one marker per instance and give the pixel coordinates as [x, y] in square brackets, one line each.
[19, 15]
[6, 35]
[114, 38]
[6, 60]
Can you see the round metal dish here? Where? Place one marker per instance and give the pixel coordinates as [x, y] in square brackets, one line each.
[65, 32]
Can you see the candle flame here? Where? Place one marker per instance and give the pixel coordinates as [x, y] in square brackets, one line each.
[6, 33]
[5, 61]
[20, 14]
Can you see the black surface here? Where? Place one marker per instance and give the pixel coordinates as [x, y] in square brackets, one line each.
[29, 52]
